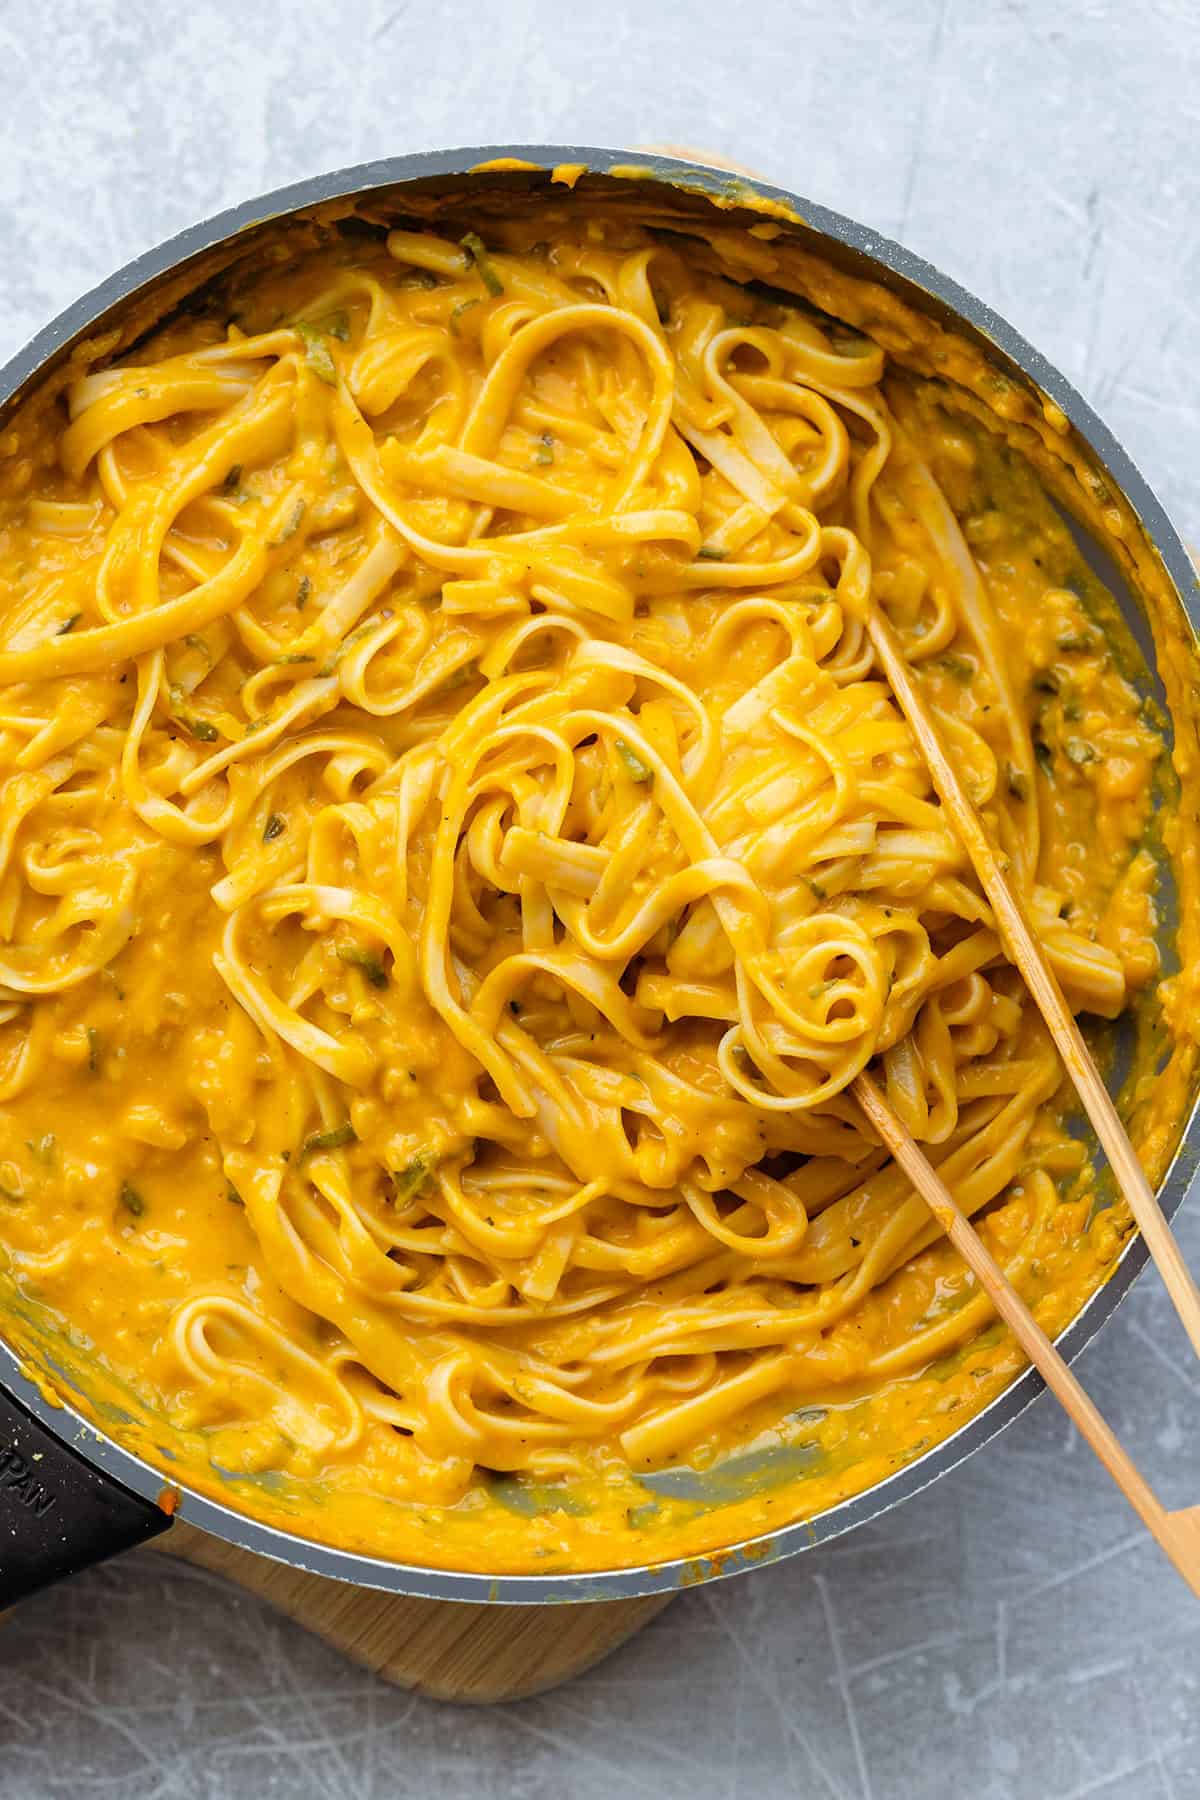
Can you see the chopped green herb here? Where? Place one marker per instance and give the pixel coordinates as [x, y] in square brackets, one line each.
[820, 987]
[462, 307]
[232, 1195]
[292, 660]
[1080, 751]
[292, 525]
[544, 454]
[302, 593]
[93, 1055]
[635, 767]
[68, 624]
[44, 1148]
[131, 1200]
[233, 480]
[361, 631]
[366, 960]
[476, 251]
[334, 658]
[199, 645]
[316, 352]
[1046, 682]
[337, 325]
[329, 1140]
[1043, 752]
[413, 1178]
[457, 678]
[958, 666]
[195, 727]
[816, 887]
[275, 827]
[199, 729]
[711, 553]
[1072, 641]
[1018, 786]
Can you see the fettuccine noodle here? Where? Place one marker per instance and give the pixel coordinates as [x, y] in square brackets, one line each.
[456, 853]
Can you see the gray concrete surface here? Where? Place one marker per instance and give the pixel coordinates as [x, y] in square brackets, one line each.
[1011, 1633]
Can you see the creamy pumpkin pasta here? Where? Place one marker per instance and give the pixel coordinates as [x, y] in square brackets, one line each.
[457, 852]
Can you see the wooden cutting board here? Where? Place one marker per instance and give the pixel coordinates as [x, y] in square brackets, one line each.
[445, 1649]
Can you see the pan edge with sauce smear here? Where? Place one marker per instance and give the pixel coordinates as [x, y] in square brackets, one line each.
[761, 1493]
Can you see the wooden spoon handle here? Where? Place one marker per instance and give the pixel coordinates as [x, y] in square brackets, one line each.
[1178, 1533]
[1027, 954]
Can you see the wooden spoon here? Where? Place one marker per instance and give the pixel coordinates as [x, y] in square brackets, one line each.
[1029, 957]
[1177, 1532]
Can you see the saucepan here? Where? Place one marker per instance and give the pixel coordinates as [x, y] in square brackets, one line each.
[80, 1477]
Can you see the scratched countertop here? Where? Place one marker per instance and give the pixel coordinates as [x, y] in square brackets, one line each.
[1011, 1633]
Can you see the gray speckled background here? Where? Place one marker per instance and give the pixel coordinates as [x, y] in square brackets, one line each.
[1012, 1632]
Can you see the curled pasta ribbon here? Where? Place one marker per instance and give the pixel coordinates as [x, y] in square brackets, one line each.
[455, 677]
[341, 1056]
[74, 907]
[311, 1404]
[191, 824]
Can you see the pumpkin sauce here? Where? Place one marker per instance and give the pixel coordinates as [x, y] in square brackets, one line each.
[200, 1237]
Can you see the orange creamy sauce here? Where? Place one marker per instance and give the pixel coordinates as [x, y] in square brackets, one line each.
[115, 1198]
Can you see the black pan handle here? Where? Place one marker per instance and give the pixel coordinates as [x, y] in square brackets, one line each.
[57, 1513]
